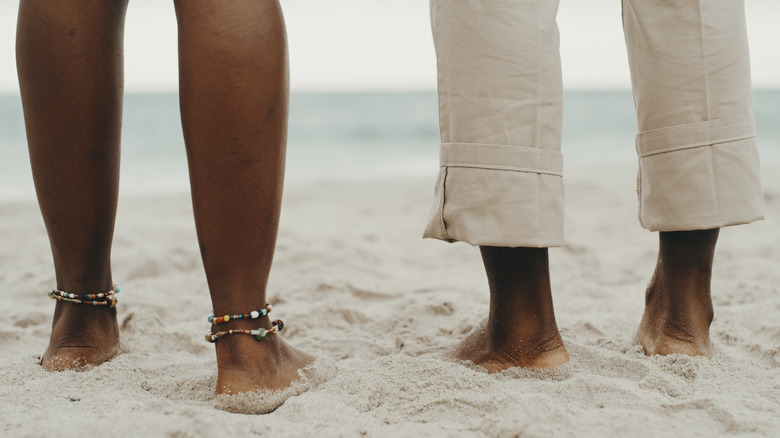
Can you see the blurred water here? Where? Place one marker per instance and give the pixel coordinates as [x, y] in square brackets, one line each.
[349, 137]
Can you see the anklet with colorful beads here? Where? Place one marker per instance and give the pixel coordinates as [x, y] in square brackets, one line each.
[253, 315]
[107, 298]
[259, 333]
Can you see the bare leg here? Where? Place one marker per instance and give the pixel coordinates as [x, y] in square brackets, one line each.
[678, 307]
[234, 101]
[521, 329]
[69, 59]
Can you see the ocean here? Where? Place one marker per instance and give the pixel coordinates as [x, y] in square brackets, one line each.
[350, 137]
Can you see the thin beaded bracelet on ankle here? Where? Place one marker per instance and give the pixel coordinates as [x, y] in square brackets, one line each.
[253, 315]
[107, 298]
[259, 333]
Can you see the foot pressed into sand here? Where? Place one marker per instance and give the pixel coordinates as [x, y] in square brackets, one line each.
[520, 330]
[678, 307]
[247, 365]
[542, 348]
[81, 336]
[673, 325]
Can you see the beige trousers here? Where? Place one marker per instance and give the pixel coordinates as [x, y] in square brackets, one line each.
[500, 116]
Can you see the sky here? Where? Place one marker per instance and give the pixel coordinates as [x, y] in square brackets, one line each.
[380, 45]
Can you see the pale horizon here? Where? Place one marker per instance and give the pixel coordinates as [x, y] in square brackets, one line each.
[362, 45]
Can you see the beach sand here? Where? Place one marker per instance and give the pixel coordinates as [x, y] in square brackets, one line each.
[358, 287]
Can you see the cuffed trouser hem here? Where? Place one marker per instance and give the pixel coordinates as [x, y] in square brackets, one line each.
[497, 195]
[699, 176]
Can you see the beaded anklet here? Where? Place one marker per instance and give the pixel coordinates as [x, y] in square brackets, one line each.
[253, 315]
[107, 298]
[259, 334]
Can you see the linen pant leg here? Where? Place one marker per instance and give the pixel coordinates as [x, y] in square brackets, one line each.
[500, 110]
[698, 160]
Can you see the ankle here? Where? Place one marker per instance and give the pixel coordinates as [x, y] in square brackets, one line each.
[684, 297]
[79, 314]
[234, 351]
[238, 336]
[525, 336]
[497, 348]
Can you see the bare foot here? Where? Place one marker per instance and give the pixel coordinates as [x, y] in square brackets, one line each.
[678, 307]
[520, 330]
[248, 365]
[670, 327]
[543, 349]
[81, 336]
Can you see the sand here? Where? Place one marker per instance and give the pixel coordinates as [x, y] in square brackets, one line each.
[358, 287]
